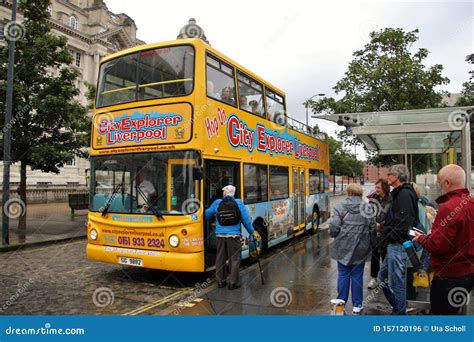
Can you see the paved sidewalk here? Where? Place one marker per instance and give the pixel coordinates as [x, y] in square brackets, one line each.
[299, 280]
[46, 223]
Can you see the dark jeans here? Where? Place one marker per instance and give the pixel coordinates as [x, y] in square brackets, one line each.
[228, 248]
[448, 295]
[392, 277]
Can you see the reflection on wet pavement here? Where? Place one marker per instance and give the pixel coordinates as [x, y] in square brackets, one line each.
[299, 280]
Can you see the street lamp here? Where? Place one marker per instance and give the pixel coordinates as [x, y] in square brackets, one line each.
[306, 105]
[7, 136]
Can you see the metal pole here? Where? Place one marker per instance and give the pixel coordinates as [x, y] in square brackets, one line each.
[306, 115]
[467, 153]
[306, 106]
[7, 134]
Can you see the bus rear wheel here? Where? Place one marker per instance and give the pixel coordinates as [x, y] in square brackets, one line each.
[261, 226]
[314, 222]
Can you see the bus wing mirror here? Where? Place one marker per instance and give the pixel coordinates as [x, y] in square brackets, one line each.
[197, 173]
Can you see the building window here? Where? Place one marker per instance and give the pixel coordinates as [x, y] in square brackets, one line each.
[72, 162]
[78, 59]
[73, 22]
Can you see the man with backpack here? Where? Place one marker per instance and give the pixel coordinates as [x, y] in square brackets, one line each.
[402, 216]
[230, 212]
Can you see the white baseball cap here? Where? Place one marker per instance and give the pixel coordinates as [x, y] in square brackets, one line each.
[229, 190]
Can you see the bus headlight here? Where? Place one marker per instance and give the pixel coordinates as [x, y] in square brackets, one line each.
[93, 234]
[173, 240]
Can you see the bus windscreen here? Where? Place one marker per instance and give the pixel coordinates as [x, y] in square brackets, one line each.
[150, 74]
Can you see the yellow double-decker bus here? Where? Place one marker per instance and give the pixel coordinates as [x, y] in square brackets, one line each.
[173, 124]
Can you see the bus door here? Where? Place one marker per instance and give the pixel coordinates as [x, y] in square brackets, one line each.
[299, 196]
[217, 175]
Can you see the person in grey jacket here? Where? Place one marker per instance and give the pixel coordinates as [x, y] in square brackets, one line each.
[353, 229]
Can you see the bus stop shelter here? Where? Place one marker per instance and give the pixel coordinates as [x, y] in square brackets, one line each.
[433, 137]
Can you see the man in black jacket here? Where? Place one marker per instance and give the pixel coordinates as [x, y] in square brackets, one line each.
[401, 217]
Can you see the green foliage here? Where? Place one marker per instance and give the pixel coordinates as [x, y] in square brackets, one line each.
[90, 96]
[341, 162]
[467, 93]
[48, 123]
[383, 76]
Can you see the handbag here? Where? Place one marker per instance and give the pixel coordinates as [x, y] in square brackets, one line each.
[421, 279]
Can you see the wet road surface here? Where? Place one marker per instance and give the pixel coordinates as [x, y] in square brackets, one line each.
[300, 279]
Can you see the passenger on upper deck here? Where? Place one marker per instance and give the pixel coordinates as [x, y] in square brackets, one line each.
[210, 88]
[243, 103]
[254, 105]
[226, 95]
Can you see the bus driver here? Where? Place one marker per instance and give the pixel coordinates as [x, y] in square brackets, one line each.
[145, 191]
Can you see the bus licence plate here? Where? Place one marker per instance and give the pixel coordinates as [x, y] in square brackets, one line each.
[130, 261]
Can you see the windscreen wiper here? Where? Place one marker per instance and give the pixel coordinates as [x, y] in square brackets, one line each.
[123, 188]
[111, 198]
[155, 211]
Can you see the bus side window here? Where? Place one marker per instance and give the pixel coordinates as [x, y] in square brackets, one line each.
[220, 81]
[250, 95]
[275, 107]
[314, 182]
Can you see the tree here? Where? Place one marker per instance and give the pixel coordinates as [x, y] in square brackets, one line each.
[48, 123]
[467, 92]
[385, 75]
[342, 162]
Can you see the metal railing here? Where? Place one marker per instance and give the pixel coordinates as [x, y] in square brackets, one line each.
[305, 129]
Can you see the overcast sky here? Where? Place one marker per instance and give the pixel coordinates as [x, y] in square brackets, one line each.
[304, 47]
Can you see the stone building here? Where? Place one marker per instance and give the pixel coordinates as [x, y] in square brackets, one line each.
[92, 32]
